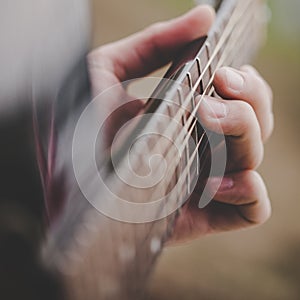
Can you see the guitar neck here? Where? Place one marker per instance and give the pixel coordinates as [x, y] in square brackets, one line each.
[232, 41]
[99, 257]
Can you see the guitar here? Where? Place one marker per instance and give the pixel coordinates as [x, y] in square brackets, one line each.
[120, 207]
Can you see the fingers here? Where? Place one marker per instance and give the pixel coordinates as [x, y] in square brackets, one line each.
[237, 120]
[247, 120]
[153, 47]
[241, 201]
[247, 197]
[247, 85]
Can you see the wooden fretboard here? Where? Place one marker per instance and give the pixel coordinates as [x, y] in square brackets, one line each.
[99, 257]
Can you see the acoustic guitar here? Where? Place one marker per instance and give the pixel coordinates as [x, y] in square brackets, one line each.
[121, 200]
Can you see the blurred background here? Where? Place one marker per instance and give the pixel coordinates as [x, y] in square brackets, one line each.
[261, 263]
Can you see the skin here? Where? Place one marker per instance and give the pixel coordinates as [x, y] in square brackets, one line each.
[245, 116]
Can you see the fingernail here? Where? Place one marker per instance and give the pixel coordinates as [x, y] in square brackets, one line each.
[235, 81]
[215, 108]
[220, 184]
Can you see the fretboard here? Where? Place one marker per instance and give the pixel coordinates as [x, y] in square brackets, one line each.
[232, 41]
[97, 255]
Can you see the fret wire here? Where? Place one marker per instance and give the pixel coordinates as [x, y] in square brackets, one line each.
[188, 75]
[186, 102]
[175, 164]
[227, 32]
[195, 152]
[177, 157]
[198, 145]
[212, 89]
[218, 47]
[186, 170]
[217, 50]
[210, 93]
[193, 107]
[208, 50]
[216, 41]
[197, 106]
[224, 59]
[198, 62]
[236, 16]
[193, 114]
[188, 98]
[201, 140]
[180, 93]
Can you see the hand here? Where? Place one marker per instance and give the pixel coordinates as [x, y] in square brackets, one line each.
[146, 51]
[246, 119]
[242, 197]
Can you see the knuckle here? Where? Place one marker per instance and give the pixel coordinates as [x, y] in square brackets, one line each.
[254, 82]
[248, 68]
[241, 118]
[260, 97]
[258, 190]
[267, 214]
[258, 184]
[101, 58]
[255, 181]
[262, 86]
[266, 86]
[222, 83]
[257, 157]
[245, 108]
[98, 53]
[154, 28]
[270, 127]
[246, 115]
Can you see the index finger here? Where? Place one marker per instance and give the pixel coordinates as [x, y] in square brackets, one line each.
[154, 47]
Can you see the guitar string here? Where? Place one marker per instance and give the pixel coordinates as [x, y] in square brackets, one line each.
[209, 92]
[234, 36]
[179, 115]
[187, 169]
[184, 106]
[192, 157]
[185, 172]
[167, 233]
[220, 44]
[238, 12]
[218, 47]
[173, 218]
